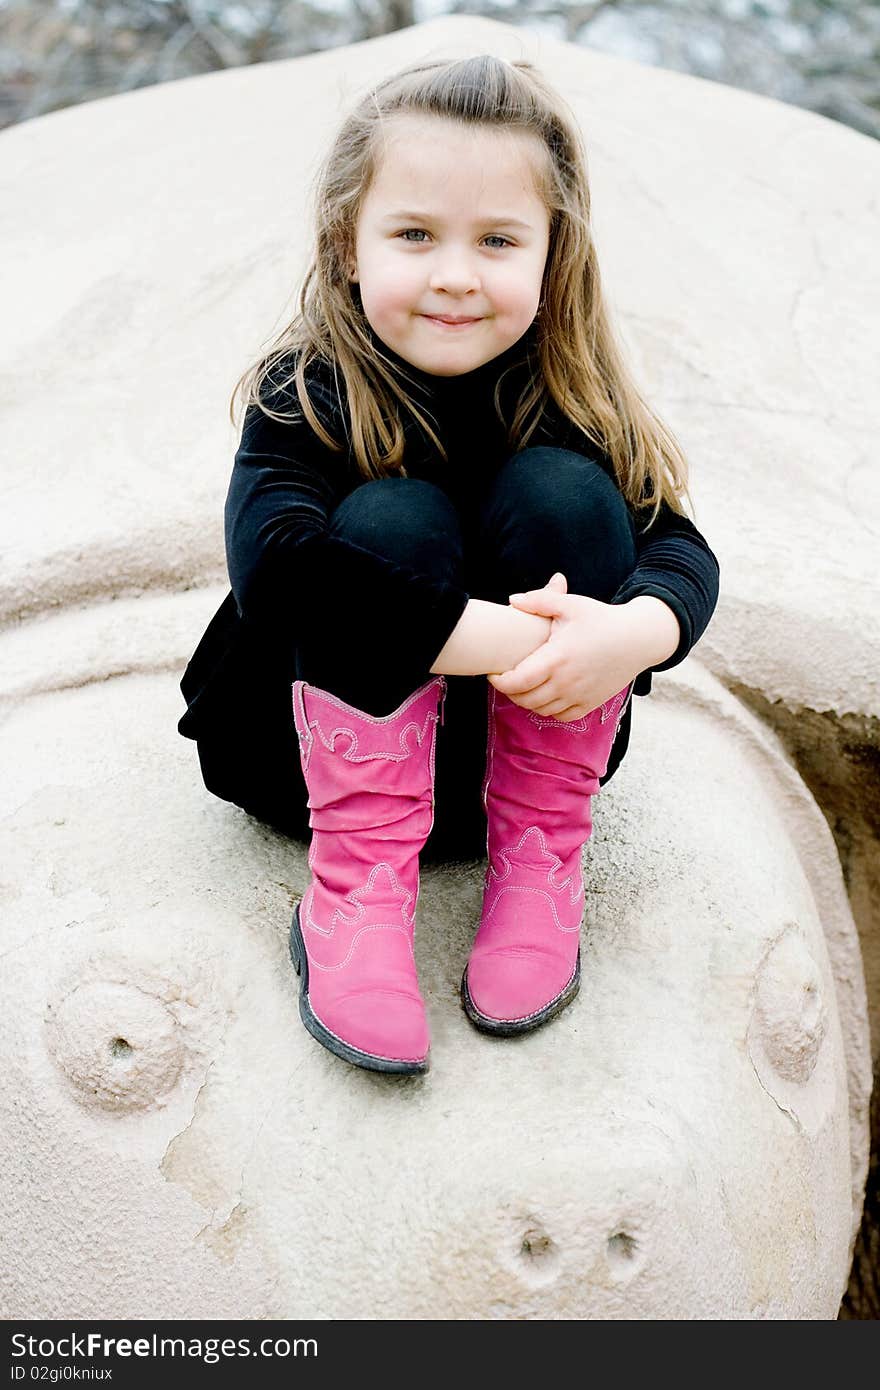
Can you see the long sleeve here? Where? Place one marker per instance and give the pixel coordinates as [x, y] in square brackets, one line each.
[674, 564]
[674, 561]
[288, 574]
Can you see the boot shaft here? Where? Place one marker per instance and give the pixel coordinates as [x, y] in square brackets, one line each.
[541, 773]
[370, 782]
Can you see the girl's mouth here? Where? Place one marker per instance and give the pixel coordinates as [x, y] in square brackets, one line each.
[450, 323]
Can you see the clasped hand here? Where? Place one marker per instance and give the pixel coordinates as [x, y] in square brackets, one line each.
[587, 657]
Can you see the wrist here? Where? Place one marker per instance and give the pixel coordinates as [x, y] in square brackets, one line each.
[516, 635]
[490, 638]
[655, 627]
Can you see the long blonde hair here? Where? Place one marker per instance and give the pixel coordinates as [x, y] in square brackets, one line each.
[581, 367]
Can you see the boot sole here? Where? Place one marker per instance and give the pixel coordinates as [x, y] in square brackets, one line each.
[336, 1045]
[511, 1027]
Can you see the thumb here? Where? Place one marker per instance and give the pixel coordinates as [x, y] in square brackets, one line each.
[558, 582]
[549, 603]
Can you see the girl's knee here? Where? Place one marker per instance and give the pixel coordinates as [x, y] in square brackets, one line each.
[410, 520]
[554, 509]
[559, 484]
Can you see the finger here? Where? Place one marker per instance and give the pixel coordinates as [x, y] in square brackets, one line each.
[569, 714]
[532, 692]
[520, 680]
[552, 706]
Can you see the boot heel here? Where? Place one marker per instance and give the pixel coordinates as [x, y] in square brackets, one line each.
[294, 941]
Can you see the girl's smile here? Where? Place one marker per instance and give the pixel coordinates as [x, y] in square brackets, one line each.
[450, 323]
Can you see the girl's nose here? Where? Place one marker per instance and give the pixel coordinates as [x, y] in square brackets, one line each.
[454, 276]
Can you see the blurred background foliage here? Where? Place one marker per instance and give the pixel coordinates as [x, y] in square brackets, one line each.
[820, 54]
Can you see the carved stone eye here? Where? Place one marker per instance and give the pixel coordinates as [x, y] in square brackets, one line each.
[790, 1013]
[117, 1044]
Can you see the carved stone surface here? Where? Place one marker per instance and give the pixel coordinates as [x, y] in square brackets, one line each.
[683, 1142]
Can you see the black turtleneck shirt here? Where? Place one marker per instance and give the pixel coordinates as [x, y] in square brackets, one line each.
[291, 578]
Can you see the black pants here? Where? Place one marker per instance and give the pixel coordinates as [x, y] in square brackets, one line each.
[546, 509]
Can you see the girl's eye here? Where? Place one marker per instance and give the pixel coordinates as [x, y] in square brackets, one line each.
[420, 231]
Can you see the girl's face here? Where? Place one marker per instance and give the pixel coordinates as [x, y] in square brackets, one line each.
[451, 226]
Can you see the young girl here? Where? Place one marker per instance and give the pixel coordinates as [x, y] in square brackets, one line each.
[450, 504]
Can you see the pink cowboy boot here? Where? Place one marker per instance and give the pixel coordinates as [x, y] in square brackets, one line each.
[371, 800]
[524, 965]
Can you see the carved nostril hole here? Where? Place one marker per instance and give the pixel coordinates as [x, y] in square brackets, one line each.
[536, 1245]
[622, 1247]
[538, 1257]
[119, 1047]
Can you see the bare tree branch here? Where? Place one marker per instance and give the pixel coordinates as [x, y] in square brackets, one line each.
[821, 54]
